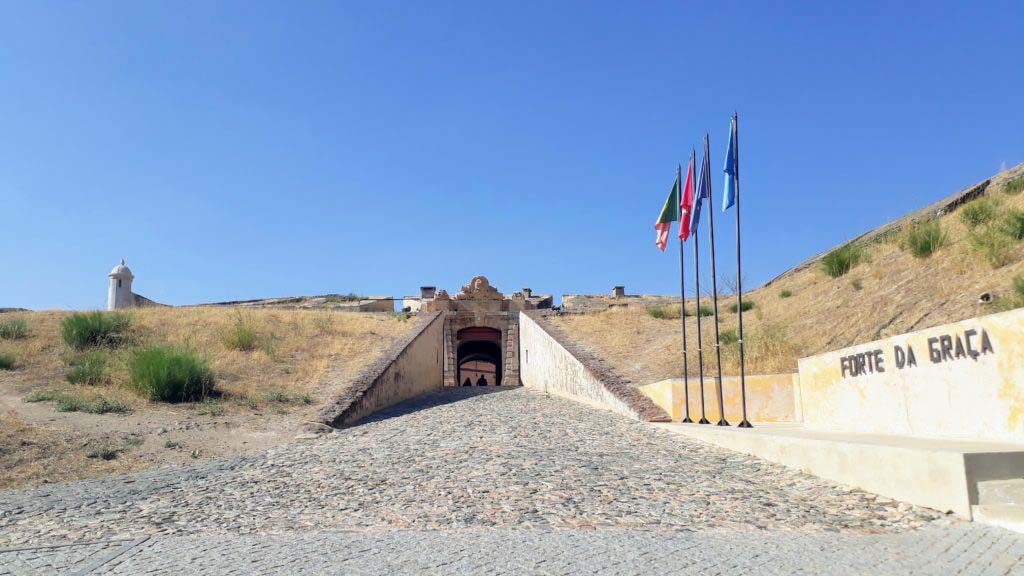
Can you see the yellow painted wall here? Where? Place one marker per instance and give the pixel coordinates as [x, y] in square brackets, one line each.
[770, 398]
[977, 396]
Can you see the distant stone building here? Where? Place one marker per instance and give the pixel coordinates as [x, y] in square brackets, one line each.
[616, 298]
[119, 290]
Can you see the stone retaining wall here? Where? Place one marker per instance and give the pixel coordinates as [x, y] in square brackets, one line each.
[552, 362]
[409, 367]
[770, 397]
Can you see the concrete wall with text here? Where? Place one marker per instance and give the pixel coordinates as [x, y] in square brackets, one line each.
[963, 380]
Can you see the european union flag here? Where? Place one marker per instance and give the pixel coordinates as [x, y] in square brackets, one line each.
[731, 169]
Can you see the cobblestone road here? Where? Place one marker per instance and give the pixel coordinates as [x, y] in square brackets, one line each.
[471, 481]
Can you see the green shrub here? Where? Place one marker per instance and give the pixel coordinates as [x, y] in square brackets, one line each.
[857, 284]
[81, 330]
[13, 328]
[104, 405]
[705, 310]
[729, 336]
[41, 396]
[284, 397]
[924, 238]
[1013, 300]
[67, 402]
[1014, 186]
[170, 375]
[664, 311]
[243, 336]
[103, 451]
[210, 408]
[70, 403]
[785, 293]
[747, 305]
[6, 361]
[981, 211]
[992, 244]
[841, 260]
[1013, 224]
[88, 368]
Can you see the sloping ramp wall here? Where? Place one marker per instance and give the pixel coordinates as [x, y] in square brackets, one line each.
[550, 361]
[409, 367]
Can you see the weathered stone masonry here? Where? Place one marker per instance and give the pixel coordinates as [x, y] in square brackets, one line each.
[481, 324]
[409, 367]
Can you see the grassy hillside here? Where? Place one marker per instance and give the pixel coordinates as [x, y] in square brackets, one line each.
[271, 370]
[926, 269]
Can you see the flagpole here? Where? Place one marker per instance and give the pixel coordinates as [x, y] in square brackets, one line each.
[739, 268]
[682, 300]
[696, 285]
[714, 292]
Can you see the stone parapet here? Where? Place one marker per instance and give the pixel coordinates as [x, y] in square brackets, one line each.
[554, 363]
[408, 368]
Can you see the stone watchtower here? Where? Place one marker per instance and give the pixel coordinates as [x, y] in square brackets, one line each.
[119, 287]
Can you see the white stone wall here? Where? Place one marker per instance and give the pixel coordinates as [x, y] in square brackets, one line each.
[545, 364]
[409, 369]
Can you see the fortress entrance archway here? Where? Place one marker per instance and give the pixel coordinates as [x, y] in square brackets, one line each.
[481, 329]
[479, 355]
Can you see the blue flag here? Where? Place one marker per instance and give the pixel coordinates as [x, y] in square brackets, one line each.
[729, 193]
[703, 191]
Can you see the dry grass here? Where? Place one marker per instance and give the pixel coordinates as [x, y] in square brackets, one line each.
[30, 454]
[809, 312]
[299, 348]
[52, 430]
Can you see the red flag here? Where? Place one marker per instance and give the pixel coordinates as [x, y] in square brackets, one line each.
[686, 203]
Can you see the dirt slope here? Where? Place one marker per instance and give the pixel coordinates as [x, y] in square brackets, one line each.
[300, 359]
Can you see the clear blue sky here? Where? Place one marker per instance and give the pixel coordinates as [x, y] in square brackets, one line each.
[250, 149]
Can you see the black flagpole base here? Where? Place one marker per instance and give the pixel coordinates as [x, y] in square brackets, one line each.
[745, 424]
[687, 420]
[722, 422]
[704, 421]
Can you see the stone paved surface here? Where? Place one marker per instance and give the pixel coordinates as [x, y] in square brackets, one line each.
[471, 481]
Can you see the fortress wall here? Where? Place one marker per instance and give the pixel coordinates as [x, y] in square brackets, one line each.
[770, 397]
[410, 367]
[551, 362]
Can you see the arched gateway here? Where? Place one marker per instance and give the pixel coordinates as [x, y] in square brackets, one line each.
[481, 332]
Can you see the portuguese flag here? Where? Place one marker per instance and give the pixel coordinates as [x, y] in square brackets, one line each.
[669, 213]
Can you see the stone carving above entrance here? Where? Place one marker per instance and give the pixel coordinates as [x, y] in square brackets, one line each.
[479, 288]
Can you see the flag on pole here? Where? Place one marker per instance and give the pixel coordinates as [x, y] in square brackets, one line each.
[669, 214]
[729, 191]
[686, 203]
[703, 192]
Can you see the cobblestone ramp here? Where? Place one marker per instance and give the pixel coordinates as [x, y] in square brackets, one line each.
[962, 549]
[485, 481]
